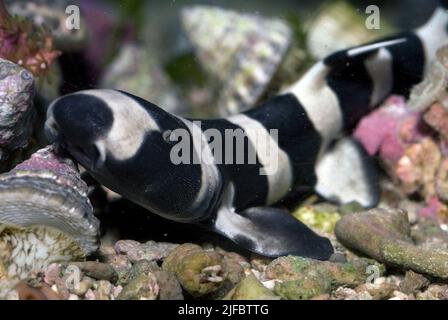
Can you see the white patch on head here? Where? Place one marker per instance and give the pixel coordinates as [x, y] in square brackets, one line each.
[341, 175]
[434, 35]
[319, 101]
[379, 67]
[210, 176]
[131, 124]
[271, 156]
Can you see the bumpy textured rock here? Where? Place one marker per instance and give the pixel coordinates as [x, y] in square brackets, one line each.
[199, 272]
[302, 278]
[365, 232]
[97, 270]
[169, 286]
[417, 168]
[413, 282]
[25, 251]
[429, 234]
[434, 291]
[385, 236]
[16, 110]
[251, 289]
[47, 190]
[437, 118]
[144, 287]
[408, 256]
[151, 250]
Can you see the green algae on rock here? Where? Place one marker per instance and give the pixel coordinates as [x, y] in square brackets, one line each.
[303, 278]
[143, 287]
[200, 272]
[251, 289]
[323, 220]
[385, 235]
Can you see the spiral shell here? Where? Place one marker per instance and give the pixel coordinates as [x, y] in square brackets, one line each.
[136, 71]
[16, 109]
[46, 190]
[242, 51]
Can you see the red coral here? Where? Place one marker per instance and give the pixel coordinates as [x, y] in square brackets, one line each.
[25, 44]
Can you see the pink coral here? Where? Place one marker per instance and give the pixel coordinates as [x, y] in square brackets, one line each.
[389, 129]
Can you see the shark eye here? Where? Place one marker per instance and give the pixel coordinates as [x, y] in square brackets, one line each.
[166, 135]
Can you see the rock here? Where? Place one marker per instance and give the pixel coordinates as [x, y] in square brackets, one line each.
[150, 250]
[7, 289]
[303, 278]
[385, 236]
[421, 260]
[103, 290]
[379, 290]
[365, 232]
[442, 181]
[251, 289]
[417, 169]
[413, 283]
[434, 292]
[169, 286]
[144, 287]
[121, 264]
[351, 207]
[17, 111]
[97, 270]
[199, 272]
[81, 288]
[437, 118]
[428, 233]
[142, 267]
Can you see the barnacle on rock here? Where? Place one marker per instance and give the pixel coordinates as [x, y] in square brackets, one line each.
[200, 272]
[29, 250]
[47, 191]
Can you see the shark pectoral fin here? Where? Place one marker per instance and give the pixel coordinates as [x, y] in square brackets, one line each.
[272, 232]
[346, 173]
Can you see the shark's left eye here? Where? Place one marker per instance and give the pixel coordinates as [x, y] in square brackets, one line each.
[166, 135]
